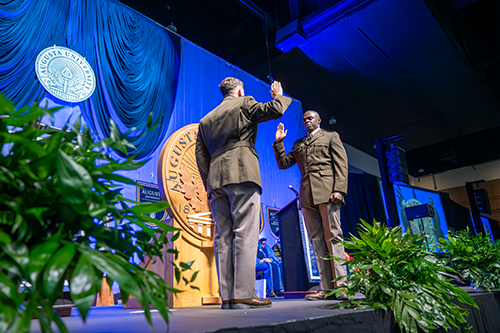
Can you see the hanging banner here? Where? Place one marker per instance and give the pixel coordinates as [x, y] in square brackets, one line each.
[151, 193]
[274, 224]
[261, 223]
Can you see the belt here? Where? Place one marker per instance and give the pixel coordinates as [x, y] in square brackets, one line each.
[313, 168]
[230, 146]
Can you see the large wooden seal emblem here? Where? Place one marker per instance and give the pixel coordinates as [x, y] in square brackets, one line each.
[181, 186]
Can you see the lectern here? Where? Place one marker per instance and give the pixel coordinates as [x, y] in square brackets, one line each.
[295, 273]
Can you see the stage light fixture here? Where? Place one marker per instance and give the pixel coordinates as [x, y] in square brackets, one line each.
[483, 202]
[172, 27]
[396, 164]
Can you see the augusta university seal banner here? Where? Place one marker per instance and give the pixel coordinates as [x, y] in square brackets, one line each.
[181, 186]
[65, 74]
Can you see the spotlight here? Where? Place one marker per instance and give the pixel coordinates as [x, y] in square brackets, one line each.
[332, 121]
[172, 27]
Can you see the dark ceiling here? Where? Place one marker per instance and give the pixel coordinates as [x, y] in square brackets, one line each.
[426, 70]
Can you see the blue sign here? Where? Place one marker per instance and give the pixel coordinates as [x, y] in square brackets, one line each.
[274, 224]
[151, 193]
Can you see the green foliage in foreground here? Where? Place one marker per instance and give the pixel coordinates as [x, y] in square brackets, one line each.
[58, 188]
[395, 271]
[475, 257]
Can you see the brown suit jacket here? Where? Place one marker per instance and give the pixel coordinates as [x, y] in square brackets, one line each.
[225, 145]
[323, 164]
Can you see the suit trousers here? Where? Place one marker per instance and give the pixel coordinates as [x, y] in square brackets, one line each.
[236, 211]
[325, 233]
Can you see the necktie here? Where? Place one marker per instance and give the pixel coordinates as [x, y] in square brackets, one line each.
[308, 138]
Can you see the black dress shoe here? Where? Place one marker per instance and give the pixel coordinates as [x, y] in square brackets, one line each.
[250, 303]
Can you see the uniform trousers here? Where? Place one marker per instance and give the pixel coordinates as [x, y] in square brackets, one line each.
[236, 211]
[325, 233]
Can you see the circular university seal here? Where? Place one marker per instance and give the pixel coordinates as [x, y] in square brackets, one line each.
[65, 74]
[181, 186]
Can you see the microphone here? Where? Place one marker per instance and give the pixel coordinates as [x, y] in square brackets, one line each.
[291, 188]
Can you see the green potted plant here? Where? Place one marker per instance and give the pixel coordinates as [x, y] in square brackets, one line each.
[62, 217]
[475, 257]
[395, 271]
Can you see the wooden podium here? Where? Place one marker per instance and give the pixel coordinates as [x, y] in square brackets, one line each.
[206, 280]
[181, 186]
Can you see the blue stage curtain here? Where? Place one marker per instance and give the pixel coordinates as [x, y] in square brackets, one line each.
[26, 28]
[136, 62]
[364, 201]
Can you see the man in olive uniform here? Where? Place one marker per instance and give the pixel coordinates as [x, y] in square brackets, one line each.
[229, 168]
[322, 161]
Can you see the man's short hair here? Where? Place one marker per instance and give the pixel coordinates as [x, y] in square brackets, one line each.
[313, 112]
[229, 84]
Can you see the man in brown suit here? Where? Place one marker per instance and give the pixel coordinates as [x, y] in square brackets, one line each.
[229, 168]
[322, 161]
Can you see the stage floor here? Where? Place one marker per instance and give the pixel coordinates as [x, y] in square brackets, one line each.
[108, 319]
[286, 315]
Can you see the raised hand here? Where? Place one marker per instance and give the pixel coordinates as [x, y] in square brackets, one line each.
[280, 133]
[276, 89]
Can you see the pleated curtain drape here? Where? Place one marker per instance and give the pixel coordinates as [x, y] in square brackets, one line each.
[364, 201]
[135, 61]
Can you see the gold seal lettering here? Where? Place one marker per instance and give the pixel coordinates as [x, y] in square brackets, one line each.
[181, 186]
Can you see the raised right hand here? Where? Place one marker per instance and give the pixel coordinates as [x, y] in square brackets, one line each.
[280, 133]
[276, 89]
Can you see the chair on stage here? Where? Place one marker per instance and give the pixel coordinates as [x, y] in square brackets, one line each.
[261, 275]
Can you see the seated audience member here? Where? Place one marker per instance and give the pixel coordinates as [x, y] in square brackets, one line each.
[263, 271]
[265, 255]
